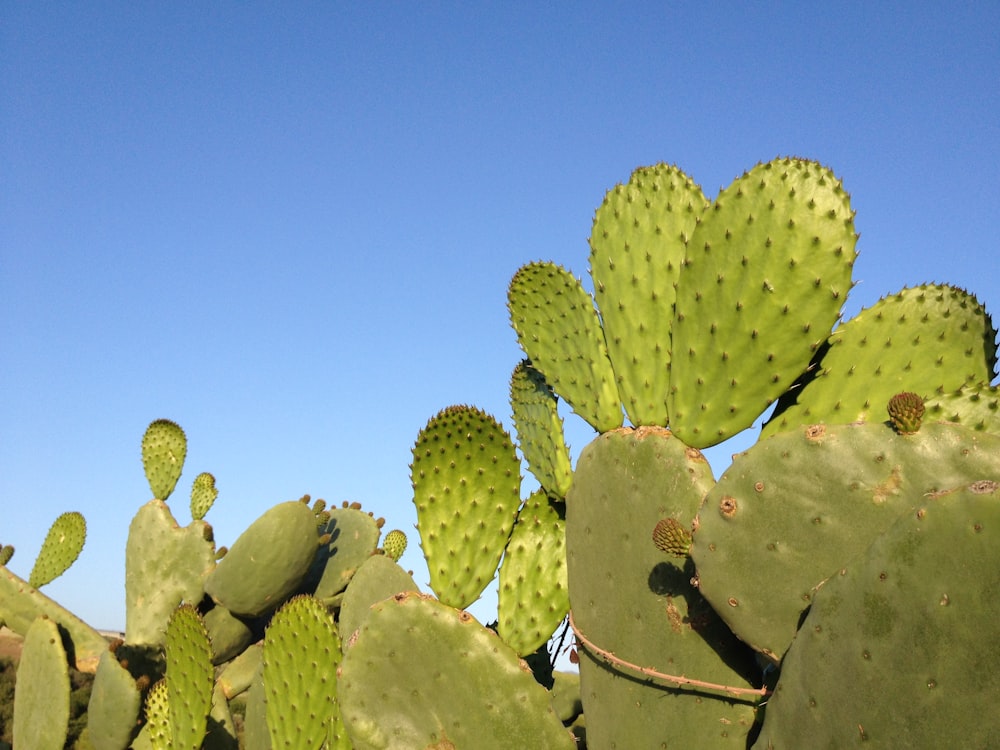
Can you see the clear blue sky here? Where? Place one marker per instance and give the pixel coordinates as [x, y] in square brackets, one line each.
[290, 227]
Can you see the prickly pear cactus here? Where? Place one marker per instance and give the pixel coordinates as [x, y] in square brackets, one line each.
[41, 697]
[203, 495]
[60, 549]
[975, 406]
[113, 710]
[466, 487]
[394, 544]
[377, 579]
[164, 447]
[899, 646]
[540, 429]
[354, 538]
[189, 678]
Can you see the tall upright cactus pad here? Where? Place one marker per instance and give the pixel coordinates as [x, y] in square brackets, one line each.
[301, 656]
[540, 429]
[975, 406]
[268, 561]
[558, 328]
[900, 646]
[113, 710]
[41, 697]
[799, 505]
[929, 339]
[637, 248]
[190, 678]
[767, 271]
[533, 596]
[466, 487]
[629, 600]
[60, 549]
[203, 495]
[165, 564]
[164, 447]
[422, 674]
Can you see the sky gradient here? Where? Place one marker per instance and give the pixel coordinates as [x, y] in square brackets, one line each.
[290, 229]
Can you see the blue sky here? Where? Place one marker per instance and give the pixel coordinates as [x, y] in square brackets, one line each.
[290, 228]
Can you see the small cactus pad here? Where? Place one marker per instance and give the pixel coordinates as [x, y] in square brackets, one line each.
[113, 711]
[799, 505]
[533, 596]
[540, 429]
[627, 598]
[6, 553]
[157, 728]
[203, 494]
[672, 537]
[301, 656]
[637, 248]
[164, 447]
[267, 562]
[900, 646]
[466, 487]
[60, 549]
[975, 406]
[41, 696]
[394, 544]
[906, 410]
[767, 271]
[558, 328]
[929, 340]
[165, 564]
[189, 678]
[424, 675]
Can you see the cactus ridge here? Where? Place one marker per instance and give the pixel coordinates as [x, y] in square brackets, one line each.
[61, 547]
[540, 429]
[558, 328]
[164, 447]
[466, 488]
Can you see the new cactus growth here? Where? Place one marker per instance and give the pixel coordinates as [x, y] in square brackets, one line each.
[203, 495]
[672, 537]
[394, 544]
[60, 549]
[906, 410]
[164, 447]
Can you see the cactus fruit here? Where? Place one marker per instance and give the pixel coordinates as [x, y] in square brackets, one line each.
[60, 549]
[377, 579]
[637, 249]
[533, 595]
[558, 328]
[164, 447]
[627, 599]
[394, 544]
[421, 674]
[301, 655]
[672, 537]
[906, 410]
[798, 505]
[466, 487]
[203, 495]
[540, 429]
[930, 340]
[41, 697]
[899, 647]
[115, 700]
[189, 678]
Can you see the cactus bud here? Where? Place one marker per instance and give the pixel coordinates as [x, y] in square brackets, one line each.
[671, 537]
[905, 412]
[394, 544]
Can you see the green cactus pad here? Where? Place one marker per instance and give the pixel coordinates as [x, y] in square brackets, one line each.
[630, 600]
[533, 596]
[268, 561]
[394, 544]
[558, 328]
[930, 340]
[222, 732]
[165, 564]
[301, 656]
[6, 553]
[767, 271]
[41, 697]
[164, 447]
[900, 646]
[637, 248]
[424, 675]
[540, 429]
[203, 495]
[157, 728]
[466, 487]
[354, 538]
[228, 634]
[975, 406]
[113, 711]
[376, 580]
[799, 505]
[238, 674]
[256, 735]
[60, 549]
[189, 678]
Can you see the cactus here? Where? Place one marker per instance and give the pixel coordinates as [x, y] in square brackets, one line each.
[540, 429]
[899, 646]
[6, 553]
[377, 579]
[394, 544]
[421, 674]
[466, 486]
[189, 678]
[164, 447]
[41, 697]
[228, 634]
[672, 537]
[906, 410]
[203, 495]
[353, 538]
[975, 406]
[156, 731]
[113, 711]
[60, 549]
[533, 596]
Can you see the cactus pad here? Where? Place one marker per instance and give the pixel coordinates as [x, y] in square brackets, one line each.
[975, 406]
[41, 696]
[189, 678]
[164, 447]
[540, 429]
[60, 549]
[203, 494]
[394, 544]
[353, 539]
[466, 487]
[113, 711]
[377, 579]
